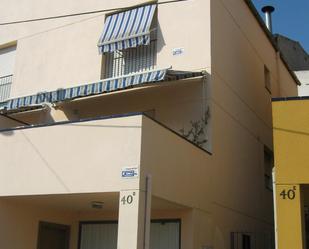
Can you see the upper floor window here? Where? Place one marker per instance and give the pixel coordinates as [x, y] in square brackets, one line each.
[7, 61]
[268, 166]
[267, 79]
[128, 42]
[131, 60]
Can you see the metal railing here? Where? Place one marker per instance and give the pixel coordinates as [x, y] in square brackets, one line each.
[132, 60]
[5, 87]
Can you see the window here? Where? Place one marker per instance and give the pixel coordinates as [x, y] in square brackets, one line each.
[129, 42]
[131, 60]
[267, 79]
[7, 61]
[268, 166]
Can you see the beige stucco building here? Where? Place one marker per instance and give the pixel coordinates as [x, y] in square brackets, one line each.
[140, 125]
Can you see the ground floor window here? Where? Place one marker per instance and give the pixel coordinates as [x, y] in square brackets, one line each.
[164, 234]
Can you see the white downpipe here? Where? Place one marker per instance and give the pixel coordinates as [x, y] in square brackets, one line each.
[275, 207]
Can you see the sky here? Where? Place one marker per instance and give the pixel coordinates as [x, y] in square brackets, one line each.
[291, 18]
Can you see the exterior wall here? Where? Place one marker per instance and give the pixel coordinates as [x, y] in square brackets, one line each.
[287, 86]
[290, 217]
[291, 168]
[291, 124]
[63, 52]
[173, 172]
[218, 211]
[70, 158]
[242, 121]
[19, 229]
[226, 189]
[183, 160]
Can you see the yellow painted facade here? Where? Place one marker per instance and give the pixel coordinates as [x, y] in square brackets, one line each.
[291, 143]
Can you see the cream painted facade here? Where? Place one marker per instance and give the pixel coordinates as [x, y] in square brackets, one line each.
[54, 169]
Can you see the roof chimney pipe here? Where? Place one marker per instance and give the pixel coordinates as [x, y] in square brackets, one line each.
[268, 10]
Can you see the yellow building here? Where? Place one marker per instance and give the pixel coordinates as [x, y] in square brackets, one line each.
[137, 124]
[291, 143]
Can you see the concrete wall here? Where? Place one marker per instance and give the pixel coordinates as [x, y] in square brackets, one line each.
[174, 170]
[48, 155]
[229, 195]
[71, 158]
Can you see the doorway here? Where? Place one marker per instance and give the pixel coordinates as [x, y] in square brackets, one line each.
[53, 236]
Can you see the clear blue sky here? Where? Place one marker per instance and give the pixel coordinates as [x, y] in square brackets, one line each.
[291, 18]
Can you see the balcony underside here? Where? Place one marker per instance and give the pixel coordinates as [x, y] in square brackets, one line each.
[83, 203]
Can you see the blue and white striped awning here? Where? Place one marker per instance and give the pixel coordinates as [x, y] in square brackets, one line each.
[102, 86]
[127, 29]
[106, 85]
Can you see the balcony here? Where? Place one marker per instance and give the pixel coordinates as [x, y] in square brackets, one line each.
[55, 159]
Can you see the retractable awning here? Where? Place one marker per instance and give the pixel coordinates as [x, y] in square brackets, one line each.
[102, 86]
[127, 29]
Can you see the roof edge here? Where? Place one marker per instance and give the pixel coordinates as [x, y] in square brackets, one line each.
[270, 38]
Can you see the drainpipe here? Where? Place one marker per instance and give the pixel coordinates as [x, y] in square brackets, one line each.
[268, 10]
[147, 217]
